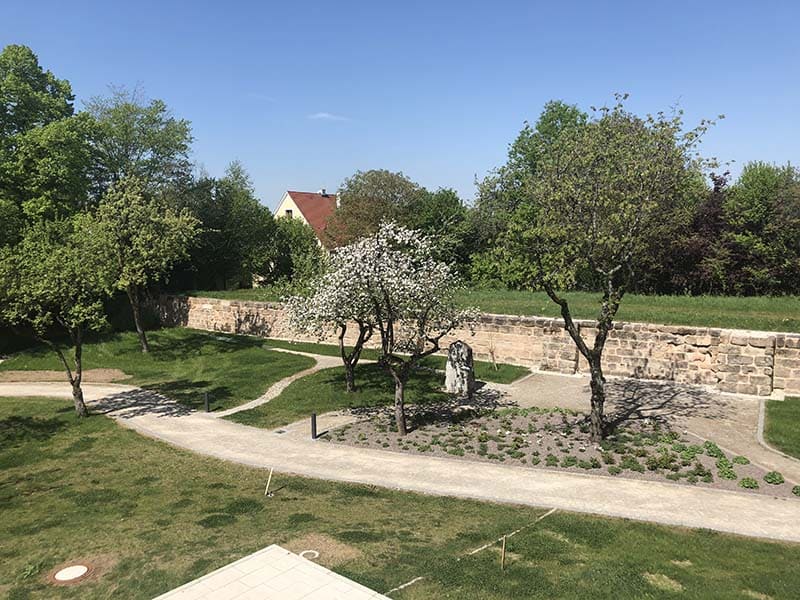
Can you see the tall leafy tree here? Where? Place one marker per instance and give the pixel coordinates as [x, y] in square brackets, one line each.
[237, 239]
[762, 212]
[368, 198]
[29, 96]
[597, 191]
[139, 138]
[44, 148]
[296, 258]
[146, 237]
[502, 191]
[54, 281]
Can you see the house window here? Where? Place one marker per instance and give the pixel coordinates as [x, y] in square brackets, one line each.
[289, 212]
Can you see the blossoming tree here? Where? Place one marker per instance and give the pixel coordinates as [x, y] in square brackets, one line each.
[410, 295]
[337, 300]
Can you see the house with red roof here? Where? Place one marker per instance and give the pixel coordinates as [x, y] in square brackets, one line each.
[313, 208]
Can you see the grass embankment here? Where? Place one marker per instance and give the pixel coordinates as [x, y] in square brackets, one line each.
[183, 364]
[782, 425]
[323, 391]
[731, 312]
[69, 490]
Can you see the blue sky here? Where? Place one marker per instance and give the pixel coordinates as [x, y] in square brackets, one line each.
[306, 93]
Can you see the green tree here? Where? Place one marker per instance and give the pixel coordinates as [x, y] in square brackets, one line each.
[237, 240]
[50, 171]
[137, 138]
[297, 257]
[502, 191]
[762, 212]
[597, 191]
[44, 149]
[146, 238]
[29, 96]
[54, 281]
[368, 198]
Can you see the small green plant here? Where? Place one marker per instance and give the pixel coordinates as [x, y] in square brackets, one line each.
[741, 460]
[630, 463]
[796, 490]
[713, 450]
[608, 458]
[663, 460]
[614, 470]
[569, 461]
[774, 478]
[748, 483]
[551, 460]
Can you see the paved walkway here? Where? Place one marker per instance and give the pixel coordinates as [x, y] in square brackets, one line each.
[272, 574]
[160, 418]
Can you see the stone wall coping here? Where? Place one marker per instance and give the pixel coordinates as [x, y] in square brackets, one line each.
[507, 319]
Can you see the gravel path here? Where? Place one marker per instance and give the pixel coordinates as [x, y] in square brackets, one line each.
[160, 418]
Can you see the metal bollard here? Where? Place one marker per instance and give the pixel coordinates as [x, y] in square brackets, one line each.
[313, 426]
[205, 401]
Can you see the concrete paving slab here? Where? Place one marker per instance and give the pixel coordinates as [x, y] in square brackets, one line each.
[272, 573]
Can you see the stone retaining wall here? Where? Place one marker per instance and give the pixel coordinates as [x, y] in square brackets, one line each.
[746, 362]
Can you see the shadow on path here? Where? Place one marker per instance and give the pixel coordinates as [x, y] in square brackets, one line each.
[139, 403]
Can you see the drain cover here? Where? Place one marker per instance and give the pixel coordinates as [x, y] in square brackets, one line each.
[71, 573]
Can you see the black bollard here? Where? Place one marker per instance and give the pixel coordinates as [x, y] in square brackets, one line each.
[205, 400]
[313, 426]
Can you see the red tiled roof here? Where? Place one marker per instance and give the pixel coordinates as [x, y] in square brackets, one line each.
[316, 208]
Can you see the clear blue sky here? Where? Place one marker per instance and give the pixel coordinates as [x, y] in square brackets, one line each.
[306, 93]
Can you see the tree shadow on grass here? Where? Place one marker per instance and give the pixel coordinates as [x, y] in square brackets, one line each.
[191, 394]
[190, 343]
[16, 430]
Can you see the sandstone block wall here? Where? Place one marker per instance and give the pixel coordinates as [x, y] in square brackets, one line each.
[746, 362]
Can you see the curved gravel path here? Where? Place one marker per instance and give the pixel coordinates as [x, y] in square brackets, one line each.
[160, 418]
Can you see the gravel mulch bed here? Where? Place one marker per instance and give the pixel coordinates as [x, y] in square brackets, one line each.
[558, 439]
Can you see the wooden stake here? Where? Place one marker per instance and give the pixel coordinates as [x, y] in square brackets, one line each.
[503, 555]
[266, 490]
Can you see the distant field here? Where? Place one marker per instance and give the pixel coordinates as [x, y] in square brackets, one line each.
[760, 312]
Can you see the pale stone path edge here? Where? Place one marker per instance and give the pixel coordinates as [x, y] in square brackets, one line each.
[670, 504]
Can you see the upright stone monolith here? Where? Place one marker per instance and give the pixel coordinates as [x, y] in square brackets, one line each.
[460, 370]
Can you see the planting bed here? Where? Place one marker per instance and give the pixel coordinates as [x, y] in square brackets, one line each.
[559, 439]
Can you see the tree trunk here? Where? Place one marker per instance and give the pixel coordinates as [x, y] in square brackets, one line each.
[399, 406]
[77, 378]
[350, 376]
[133, 296]
[77, 399]
[598, 386]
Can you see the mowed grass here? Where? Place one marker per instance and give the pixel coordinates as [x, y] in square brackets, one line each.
[782, 425]
[183, 364]
[156, 517]
[484, 371]
[324, 391]
[780, 313]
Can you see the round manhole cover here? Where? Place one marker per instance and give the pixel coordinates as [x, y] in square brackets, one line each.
[71, 573]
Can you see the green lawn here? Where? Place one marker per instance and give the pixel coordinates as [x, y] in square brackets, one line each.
[183, 364]
[782, 425]
[760, 312]
[323, 392]
[158, 517]
[484, 371]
